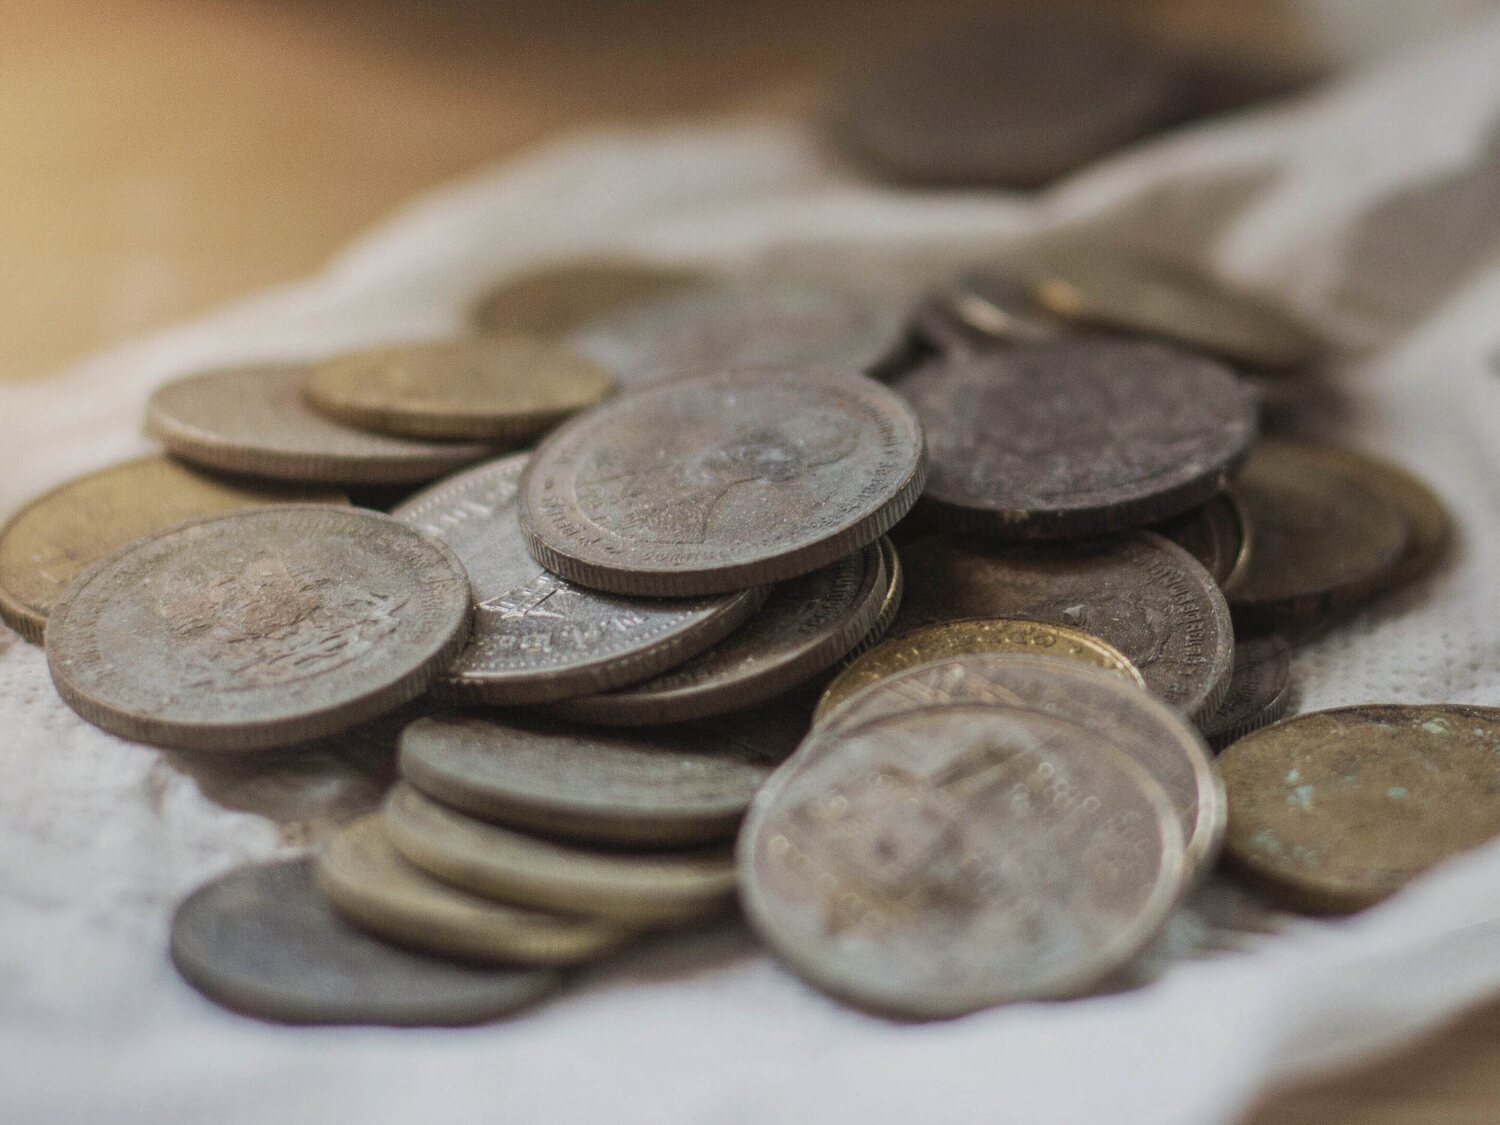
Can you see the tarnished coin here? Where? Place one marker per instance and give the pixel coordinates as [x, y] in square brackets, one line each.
[537, 638]
[62, 533]
[372, 886]
[806, 625]
[1323, 540]
[935, 323]
[1076, 436]
[264, 941]
[962, 638]
[634, 888]
[721, 482]
[890, 604]
[998, 303]
[1217, 534]
[254, 420]
[260, 628]
[678, 787]
[499, 389]
[1144, 595]
[1340, 809]
[555, 299]
[945, 860]
[1259, 691]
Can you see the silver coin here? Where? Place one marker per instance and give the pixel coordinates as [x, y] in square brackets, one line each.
[1259, 692]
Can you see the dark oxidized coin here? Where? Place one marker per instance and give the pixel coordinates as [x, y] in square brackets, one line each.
[1259, 691]
[1217, 534]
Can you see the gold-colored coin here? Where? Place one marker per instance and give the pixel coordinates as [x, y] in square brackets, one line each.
[554, 300]
[62, 533]
[960, 638]
[501, 389]
[1337, 810]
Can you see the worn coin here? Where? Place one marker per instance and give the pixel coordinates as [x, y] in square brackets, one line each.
[634, 888]
[945, 860]
[537, 638]
[254, 420]
[721, 482]
[1259, 691]
[259, 628]
[264, 941]
[372, 886]
[1144, 595]
[998, 303]
[936, 325]
[60, 534]
[806, 625]
[1217, 534]
[1076, 436]
[552, 300]
[890, 604]
[1340, 809]
[677, 787]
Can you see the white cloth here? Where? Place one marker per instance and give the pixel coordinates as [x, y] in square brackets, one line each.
[1371, 209]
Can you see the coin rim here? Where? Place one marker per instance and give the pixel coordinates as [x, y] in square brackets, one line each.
[1219, 736]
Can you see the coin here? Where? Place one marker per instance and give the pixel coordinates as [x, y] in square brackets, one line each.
[49, 542]
[536, 637]
[371, 886]
[634, 888]
[998, 303]
[946, 860]
[554, 299]
[1323, 541]
[253, 420]
[677, 787]
[806, 625]
[935, 323]
[1144, 595]
[1217, 534]
[1076, 436]
[1340, 809]
[721, 482]
[500, 389]
[260, 628]
[961, 638]
[263, 941]
[1259, 691]
[890, 604]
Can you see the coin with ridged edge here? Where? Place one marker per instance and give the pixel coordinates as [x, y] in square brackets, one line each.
[552, 300]
[1217, 534]
[1259, 691]
[890, 605]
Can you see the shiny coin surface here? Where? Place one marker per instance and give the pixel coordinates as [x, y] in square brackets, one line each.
[553, 300]
[537, 638]
[635, 888]
[1144, 595]
[682, 786]
[499, 389]
[805, 626]
[1340, 809]
[372, 886]
[260, 628]
[1076, 437]
[264, 941]
[1259, 691]
[941, 861]
[59, 535]
[254, 420]
[1217, 534]
[721, 482]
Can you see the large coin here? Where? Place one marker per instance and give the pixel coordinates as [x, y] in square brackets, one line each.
[1340, 809]
[1217, 534]
[634, 888]
[59, 535]
[806, 625]
[1259, 691]
[264, 941]
[256, 629]
[553, 300]
[537, 638]
[946, 860]
[371, 885]
[254, 420]
[1077, 436]
[721, 482]
[682, 786]
[1147, 597]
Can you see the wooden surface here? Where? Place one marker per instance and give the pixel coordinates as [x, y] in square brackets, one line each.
[160, 156]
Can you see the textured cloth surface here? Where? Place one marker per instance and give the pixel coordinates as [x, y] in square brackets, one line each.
[1371, 210]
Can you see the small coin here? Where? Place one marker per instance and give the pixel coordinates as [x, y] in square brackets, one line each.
[935, 324]
[500, 389]
[1323, 540]
[998, 303]
[678, 787]
[962, 638]
[264, 941]
[60, 534]
[890, 604]
[537, 638]
[553, 300]
[1340, 809]
[1144, 595]
[1076, 436]
[372, 886]
[945, 860]
[721, 482]
[633, 888]
[257, 629]
[806, 625]
[1259, 691]
[1217, 534]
